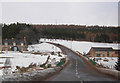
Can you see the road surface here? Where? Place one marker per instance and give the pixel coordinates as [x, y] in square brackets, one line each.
[77, 70]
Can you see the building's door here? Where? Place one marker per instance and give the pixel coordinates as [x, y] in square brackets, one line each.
[98, 55]
[15, 48]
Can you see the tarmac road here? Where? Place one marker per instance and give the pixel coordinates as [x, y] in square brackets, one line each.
[77, 70]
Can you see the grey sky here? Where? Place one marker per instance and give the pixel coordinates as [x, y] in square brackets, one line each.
[87, 13]
[119, 13]
[0, 12]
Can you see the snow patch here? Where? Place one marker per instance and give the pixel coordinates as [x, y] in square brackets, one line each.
[80, 46]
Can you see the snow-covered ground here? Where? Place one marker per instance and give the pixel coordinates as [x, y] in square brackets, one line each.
[25, 59]
[84, 47]
[110, 64]
[81, 46]
[43, 47]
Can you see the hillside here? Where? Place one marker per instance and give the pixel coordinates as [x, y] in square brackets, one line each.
[69, 32]
[80, 32]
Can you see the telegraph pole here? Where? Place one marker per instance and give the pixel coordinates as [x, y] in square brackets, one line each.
[71, 43]
[25, 42]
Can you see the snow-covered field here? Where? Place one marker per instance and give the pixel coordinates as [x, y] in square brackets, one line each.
[81, 46]
[84, 47]
[43, 47]
[25, 59]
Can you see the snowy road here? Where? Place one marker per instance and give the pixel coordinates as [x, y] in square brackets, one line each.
[77, 70]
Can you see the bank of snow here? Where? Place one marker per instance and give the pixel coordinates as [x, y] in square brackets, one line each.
[21, 60]
[43, 47]
[25, 59]
[108, 64]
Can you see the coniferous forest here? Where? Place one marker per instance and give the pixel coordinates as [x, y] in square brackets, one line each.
[70, 32]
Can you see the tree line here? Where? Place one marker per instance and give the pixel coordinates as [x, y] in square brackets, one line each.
[75, 32]
[19, 31]
[78, 32]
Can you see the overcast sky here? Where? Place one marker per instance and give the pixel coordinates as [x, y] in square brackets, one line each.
[85, 13]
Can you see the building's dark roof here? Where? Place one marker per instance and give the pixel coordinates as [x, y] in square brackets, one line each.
[10, 42]
[102, 48]
[117, 49]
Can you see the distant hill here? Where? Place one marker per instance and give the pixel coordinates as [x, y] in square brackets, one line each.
[69, 32]
[80, 32]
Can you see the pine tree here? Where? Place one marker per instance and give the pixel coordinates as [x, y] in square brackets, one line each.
[117, 66]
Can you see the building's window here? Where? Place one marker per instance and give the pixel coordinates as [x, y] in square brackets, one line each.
[116, 52]
[103, 55]
[107, 53]
[98, 55]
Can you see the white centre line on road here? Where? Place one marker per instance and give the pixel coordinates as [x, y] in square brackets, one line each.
[81, 81]
[77, 69]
